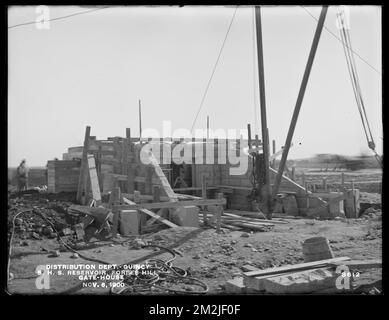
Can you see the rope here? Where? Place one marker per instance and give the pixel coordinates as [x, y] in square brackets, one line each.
[351, 66]
[213, 70]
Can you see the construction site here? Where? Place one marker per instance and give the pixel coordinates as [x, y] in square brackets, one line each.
[140, 215]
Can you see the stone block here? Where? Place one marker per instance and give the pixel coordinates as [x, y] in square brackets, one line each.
[301, 282]
[129, 222]
[235, 285]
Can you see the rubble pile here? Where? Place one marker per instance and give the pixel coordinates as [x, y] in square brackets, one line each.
[31, 224]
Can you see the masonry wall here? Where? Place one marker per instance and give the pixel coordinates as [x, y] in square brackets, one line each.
[63, 175]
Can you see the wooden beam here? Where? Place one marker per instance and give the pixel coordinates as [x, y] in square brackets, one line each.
[94, 179]
[159, 205]
[295, 267]
[152, 214]
[360, 264]
[162, 178]
[266, 188]
[299, 101]
[83, 171]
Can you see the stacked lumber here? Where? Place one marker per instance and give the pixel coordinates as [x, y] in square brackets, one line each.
[238, 222]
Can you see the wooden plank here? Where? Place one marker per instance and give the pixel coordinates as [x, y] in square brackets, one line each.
[231, 215]
[296, 267]
[248, 268]
[94, 179]
[160, 205]
[122, 177]
[83, 172]
[161, 176]
[360, 264]
[152, 214]
[200, 188]
[149, 197]
[163, 180]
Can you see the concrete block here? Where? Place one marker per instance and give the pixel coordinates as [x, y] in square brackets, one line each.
[187, 216]
[129, 222]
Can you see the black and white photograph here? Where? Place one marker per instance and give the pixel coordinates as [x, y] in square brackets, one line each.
[194, 150]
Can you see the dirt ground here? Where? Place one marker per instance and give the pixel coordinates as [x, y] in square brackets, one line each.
[205, 254]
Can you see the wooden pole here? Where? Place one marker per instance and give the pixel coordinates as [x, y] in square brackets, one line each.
[249, 135]
[266, 191]
[219, 212]
[204, 196]
[207, 127]
[140, 119]
[293, 173]
[299, 101]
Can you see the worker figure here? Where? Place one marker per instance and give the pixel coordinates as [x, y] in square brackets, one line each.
[22, 176]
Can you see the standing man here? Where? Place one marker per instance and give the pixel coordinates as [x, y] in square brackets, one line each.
[22, 176]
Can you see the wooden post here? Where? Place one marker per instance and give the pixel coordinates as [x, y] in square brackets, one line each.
[137, 197]
[204, 196]
[114, 199]
[342, 179]
[249, 135]
[325, 184]
[193, 162]
[148, 180]
[142, 215]
[303, 179]
[140, 120]
[156, 194]
[216, 152]
[82, 181]
[219, 212]
[204, 151]
[293, 177]
[161, 151]
[207, 127]
[314, 187]
[130, 170]
[306, 194]
[257, 141]
[274, 151]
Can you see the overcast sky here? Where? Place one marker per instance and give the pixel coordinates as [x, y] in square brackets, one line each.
[91, 69]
